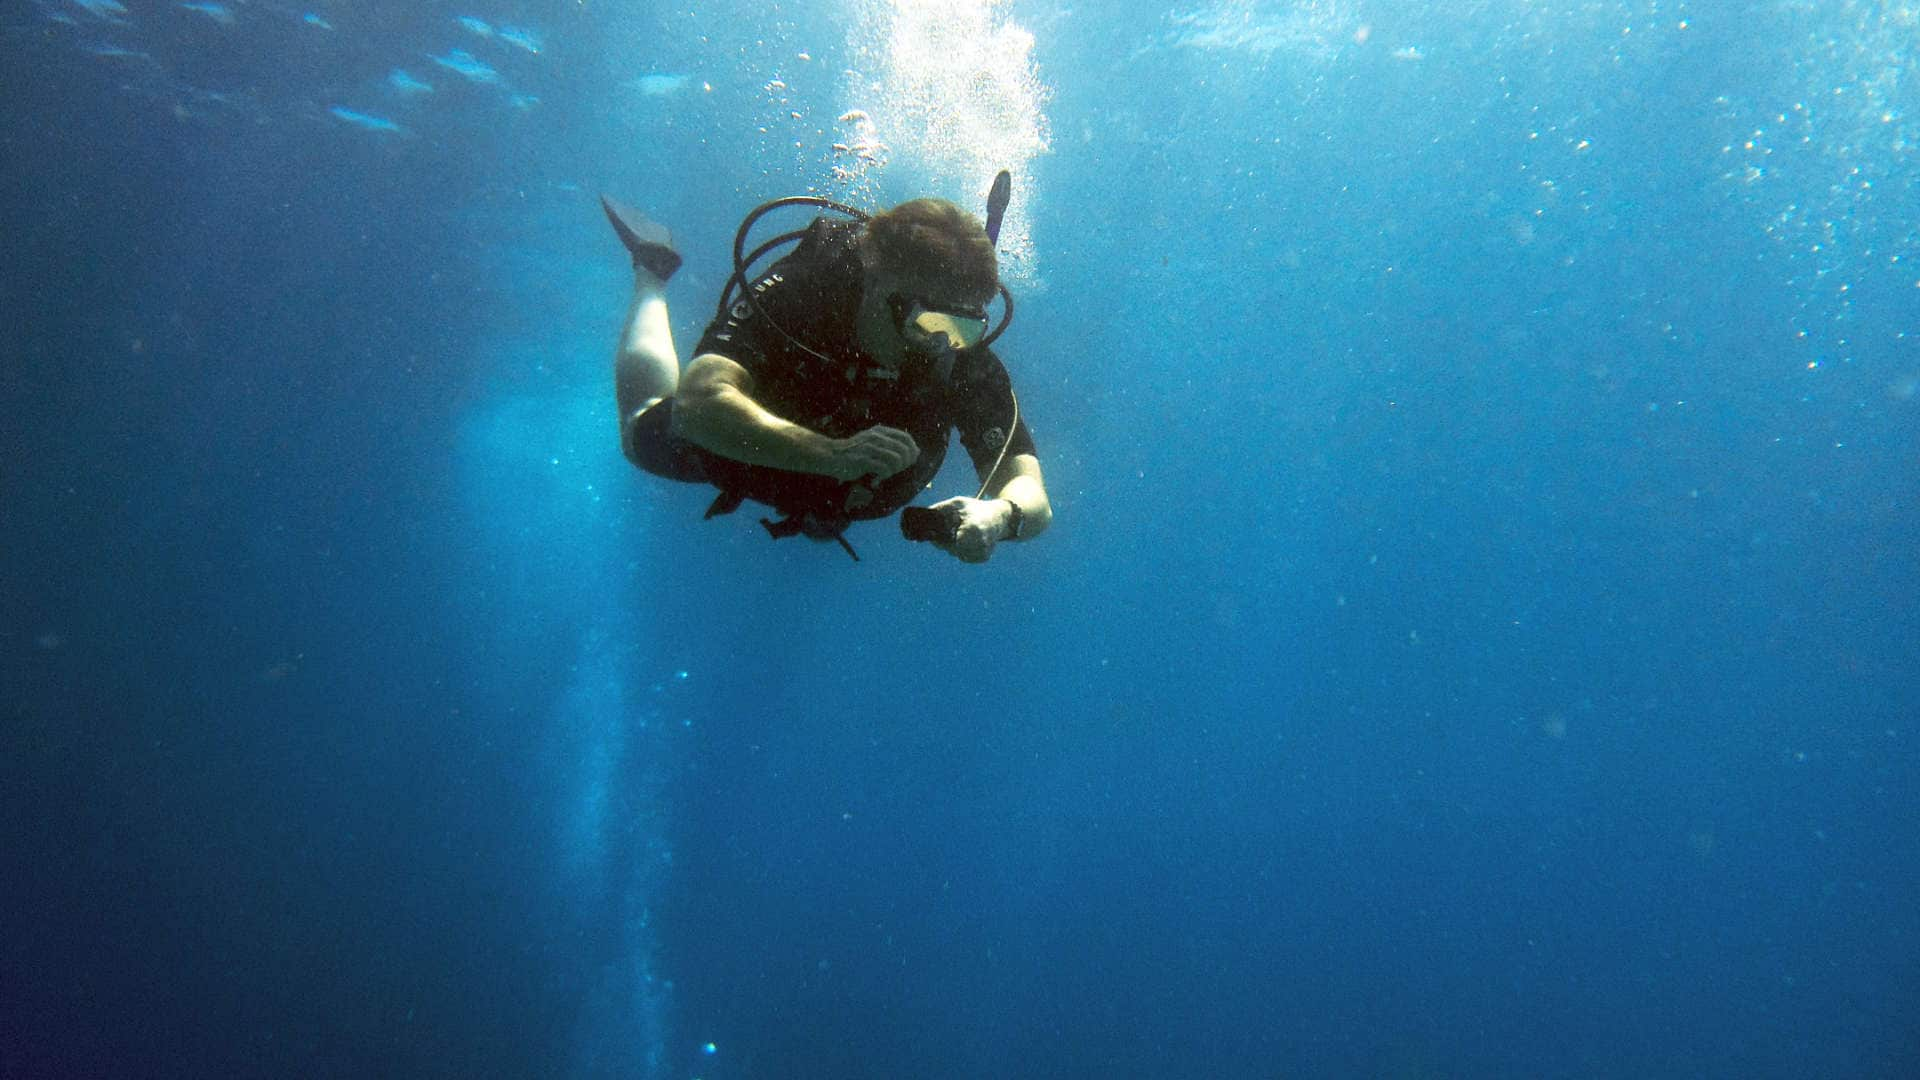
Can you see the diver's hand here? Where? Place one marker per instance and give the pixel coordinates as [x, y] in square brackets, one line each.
[878, 452]
[983, 523]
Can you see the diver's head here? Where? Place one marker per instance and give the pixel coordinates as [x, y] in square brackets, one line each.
[929, 273]
[932, 239]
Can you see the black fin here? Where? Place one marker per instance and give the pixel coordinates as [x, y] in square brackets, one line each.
[650, 244]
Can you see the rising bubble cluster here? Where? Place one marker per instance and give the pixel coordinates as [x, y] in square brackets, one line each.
[948, 88]
[1827, 160]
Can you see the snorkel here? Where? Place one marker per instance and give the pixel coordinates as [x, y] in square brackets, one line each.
[997, 199]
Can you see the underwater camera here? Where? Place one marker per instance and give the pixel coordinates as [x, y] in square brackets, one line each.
[930, 524]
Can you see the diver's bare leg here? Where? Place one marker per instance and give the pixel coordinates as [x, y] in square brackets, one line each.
[646, 370]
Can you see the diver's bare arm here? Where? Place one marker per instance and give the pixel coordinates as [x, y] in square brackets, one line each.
[715, 410]
[1018, 481]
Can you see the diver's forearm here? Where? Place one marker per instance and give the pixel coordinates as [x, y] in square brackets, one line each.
[727, 422]
[1026, 491]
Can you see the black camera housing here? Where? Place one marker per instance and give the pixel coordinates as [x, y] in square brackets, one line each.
[927, 524]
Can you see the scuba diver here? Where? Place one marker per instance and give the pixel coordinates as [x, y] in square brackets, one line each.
[826, 387]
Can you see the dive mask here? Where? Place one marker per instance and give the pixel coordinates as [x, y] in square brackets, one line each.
[924, 324]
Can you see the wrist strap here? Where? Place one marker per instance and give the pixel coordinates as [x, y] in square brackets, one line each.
[1013, 527]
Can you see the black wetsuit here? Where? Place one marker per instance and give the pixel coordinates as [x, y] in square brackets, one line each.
[814, 294]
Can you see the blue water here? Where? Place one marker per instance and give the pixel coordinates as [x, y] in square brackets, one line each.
[1477, 636]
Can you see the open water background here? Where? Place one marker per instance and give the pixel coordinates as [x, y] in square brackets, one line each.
[1477, 637]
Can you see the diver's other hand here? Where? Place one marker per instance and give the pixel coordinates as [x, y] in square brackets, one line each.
[983, 523]
[878, 452]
